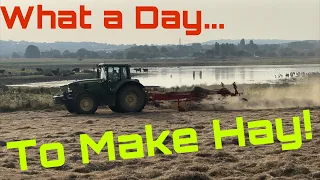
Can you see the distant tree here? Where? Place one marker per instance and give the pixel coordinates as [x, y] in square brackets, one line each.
[132, 54]
[93, 55]
[144, 48]
[15, 55]
[82, 53]
[144, 56]
[244, 54]
[259, 53]
[284, 52]
[197, 47]
[32, 52]
[242, 44]
[271, 54]
[155, 52]
[197, 54]
[227, 49]
[66, 54]
[103, 54]
[117, 55]
[43, 54]
[164, 49]
[232, 49]
[252, 47]
[210, 53]
[217, 48]
[54, 54]
[301, 45]
[269, 48]
[154, 49]
[222, 49]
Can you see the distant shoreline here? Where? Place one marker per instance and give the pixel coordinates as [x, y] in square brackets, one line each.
[16, 80]
[90, 63]
[68, 64]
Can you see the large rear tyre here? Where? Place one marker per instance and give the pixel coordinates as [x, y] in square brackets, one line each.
[85, 104]
[131, 98]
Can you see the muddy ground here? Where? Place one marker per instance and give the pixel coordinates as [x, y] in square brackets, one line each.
[233, 162]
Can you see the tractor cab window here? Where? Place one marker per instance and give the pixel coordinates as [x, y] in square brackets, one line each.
[124, 74]
[103, 74]
[113, 73]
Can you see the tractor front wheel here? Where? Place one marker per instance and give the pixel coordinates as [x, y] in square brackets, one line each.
[85, 104]
[69, 108]
[131, 98]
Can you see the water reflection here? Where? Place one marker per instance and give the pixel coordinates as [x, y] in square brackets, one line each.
[178, 76]
[251, 74]
[242, 73]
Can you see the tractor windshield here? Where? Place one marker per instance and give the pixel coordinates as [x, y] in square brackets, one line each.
[103, 74]
[113, 73]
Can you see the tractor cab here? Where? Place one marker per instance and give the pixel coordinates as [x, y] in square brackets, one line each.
[114, 72]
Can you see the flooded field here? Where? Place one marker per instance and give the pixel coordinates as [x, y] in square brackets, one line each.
[191, 75]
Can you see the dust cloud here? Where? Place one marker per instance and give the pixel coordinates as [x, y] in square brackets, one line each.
[302, 94]
[306, 94]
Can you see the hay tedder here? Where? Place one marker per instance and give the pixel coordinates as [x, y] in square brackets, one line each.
[114, 87]
[183, 99]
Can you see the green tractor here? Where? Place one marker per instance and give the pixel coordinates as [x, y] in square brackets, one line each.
[113, 87]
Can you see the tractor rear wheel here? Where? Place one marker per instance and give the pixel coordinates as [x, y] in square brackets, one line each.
[85, 104]
[131, 98]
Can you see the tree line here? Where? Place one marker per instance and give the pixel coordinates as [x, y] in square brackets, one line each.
[195, 50]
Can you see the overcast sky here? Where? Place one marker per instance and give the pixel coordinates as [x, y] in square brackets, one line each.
[257, 19]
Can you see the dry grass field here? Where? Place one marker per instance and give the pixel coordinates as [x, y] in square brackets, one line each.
[48, 125]
[233, 162]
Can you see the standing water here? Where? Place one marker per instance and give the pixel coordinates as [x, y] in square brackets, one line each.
[193, 75]
[209, 75]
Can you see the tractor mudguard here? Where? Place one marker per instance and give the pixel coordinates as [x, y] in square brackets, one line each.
[128, 81]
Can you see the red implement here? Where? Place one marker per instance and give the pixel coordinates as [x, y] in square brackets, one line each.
[197, 94]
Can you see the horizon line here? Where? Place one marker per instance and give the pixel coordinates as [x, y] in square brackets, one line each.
[159, 43]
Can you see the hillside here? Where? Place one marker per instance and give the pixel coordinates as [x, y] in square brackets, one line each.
[257, 41]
